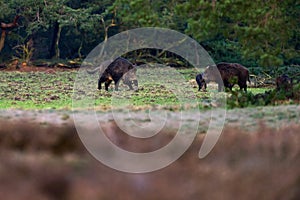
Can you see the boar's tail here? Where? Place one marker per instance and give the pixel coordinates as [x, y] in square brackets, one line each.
[93, 71]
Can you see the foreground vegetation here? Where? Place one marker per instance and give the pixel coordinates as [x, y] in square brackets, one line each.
[267, 158]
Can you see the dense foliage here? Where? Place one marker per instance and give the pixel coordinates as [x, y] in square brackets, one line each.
[254, 33]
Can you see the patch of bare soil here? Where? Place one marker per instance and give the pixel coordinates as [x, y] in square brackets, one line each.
[31, 68]
[256, 157]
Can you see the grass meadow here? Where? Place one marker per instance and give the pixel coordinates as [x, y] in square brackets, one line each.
[42, 90]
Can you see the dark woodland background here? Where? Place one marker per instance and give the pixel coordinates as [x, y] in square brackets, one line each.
[263, 34]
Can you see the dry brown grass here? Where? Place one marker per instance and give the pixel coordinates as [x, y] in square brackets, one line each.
[42, 161]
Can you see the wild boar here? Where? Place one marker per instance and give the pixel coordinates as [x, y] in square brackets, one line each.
[201, 82]
[228, 74]
[284, 82]
[119, 69]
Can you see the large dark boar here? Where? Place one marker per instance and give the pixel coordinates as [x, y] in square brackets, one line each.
[119, 69]
[284, 82]
[201, 82]
[231, 73]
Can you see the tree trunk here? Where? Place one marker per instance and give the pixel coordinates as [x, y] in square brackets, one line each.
[57, 52]
[2, 40]
[213, 4]
[79, 49]
[54, 48]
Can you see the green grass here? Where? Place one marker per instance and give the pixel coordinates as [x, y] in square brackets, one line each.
[36, 90]
[257, 90]
[39, 90]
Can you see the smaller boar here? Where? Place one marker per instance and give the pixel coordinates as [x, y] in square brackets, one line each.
[130, 78]
[284, 82]
[228, 74]
[201, 82]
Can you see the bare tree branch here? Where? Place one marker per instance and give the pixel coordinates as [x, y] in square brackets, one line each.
[4, 27]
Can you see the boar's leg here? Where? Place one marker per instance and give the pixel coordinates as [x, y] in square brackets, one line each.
[107, 83]
[227, 84]
[117, 82]
[202, 85]
[99, 84]
[103, 78]
[117, 86]
[243, 86]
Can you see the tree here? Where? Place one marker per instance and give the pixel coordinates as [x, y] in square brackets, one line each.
[267, 31]
[141, 13]
[264, 31]
[60, 28]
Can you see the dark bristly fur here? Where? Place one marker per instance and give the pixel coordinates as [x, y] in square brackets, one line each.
[201, 82]
[231, 73]
[118, 69]
[284, 82]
